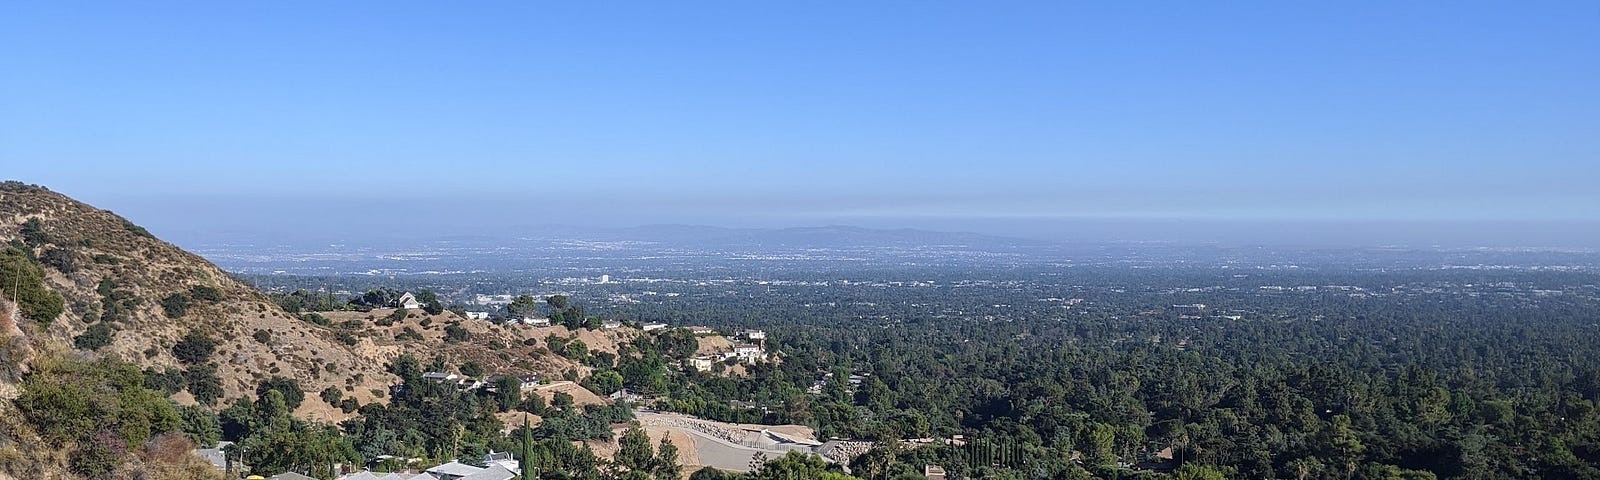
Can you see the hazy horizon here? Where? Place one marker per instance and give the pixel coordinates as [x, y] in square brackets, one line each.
[1351, 124]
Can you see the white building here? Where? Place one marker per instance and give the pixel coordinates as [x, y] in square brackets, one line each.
[654, 326]
[749, 353]
[477, 315]
[409, 302]
[702, 363]
[753, 335]
[611, 324]
[537, 322]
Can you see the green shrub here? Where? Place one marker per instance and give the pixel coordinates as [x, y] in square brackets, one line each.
[209, 294]
[332, 395]
[175, 305]
[22, 279]
[293, 396]
[204, 384]
[32, 232]
[195, 348]
[98, 335]
[60, 259]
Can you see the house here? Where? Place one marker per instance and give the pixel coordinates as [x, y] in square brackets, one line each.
[933, 472]
[748, 353]
[654, 326]
[611, 324]
[529, 382]
[289, 476]
[702, 330]
[701, 363]
[409, 302]
[494, 472]
[537, 322]
[754, 335]
[216, 456]
[477, 315]
[361, 475]
[453, 471]
[504, 459]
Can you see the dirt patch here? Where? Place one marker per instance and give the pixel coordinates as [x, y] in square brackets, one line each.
[713, 344]
[580, 395]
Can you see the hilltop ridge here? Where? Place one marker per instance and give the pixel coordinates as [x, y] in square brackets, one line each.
[130, 296]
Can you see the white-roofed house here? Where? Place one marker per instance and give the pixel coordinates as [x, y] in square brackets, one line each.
[361, 475]
[494, 472]
[453, 471]
[409, 302]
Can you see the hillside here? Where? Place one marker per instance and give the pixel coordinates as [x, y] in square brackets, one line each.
[116, 275]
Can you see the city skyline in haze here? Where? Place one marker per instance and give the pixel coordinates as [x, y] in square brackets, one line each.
[933, 115]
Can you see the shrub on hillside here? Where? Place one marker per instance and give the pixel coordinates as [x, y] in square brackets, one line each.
[23, 280]
[195, 348]
[209, 294]
[293, 396]
[204, 384]
[98, 335]
[175, 305]
[59, 259]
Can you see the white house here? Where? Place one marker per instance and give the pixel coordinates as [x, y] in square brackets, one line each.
[409, 302]
[537, 322]
[477, 315]
[754, 335]
[748, 353]
[702, 330]
[702, 363]
[654, 326]
[611, 324]
[453, 471]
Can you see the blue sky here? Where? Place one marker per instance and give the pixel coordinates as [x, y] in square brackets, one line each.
[805, 112]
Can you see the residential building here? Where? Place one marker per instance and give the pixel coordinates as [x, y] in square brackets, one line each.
[409, 302]
[611, 324]
[702, 363]
[453, 471]
[748, 353]
[477, 315]
[537, 322]
[654, 326]
[702, 330]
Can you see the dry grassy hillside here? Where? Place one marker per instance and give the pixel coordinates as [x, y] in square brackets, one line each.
[83, 246]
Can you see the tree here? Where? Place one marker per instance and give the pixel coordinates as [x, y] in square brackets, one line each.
[508, 392]
[203, 383]
[287, 387]
[666, 465]
[523, 306]
[1193, 471]
[1344, 444]
[430, 302]
[33, 234]
[633, 450]
[558, 302]
[606, 382]
[195, 348]
[471, 369]
[332, 395]
[23, 281]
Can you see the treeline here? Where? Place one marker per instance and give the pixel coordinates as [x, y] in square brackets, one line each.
[1319, 386]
